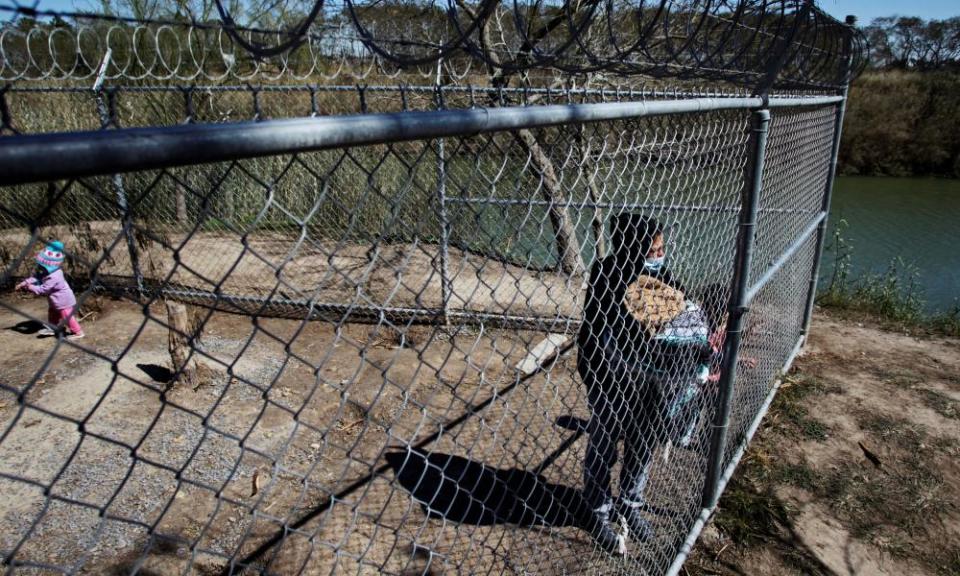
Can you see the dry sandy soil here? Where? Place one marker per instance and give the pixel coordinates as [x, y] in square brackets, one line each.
[300, 397]
[294, 423]
[856, 470]
[324, 271]
[163, 479]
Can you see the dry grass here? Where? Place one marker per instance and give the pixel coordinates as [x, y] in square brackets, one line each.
[894, 504]
[884, 475]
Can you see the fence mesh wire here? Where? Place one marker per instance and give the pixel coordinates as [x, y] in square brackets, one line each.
[394, 350]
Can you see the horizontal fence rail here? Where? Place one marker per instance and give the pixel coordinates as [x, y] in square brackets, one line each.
[85, 154]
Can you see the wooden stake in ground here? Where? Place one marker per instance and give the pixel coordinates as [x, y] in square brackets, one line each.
[183, 365]
[181, 201]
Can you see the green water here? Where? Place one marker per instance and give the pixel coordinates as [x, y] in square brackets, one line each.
[916, 219]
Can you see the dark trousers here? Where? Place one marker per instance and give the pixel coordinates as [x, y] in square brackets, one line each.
[627, 415]
[639, 398]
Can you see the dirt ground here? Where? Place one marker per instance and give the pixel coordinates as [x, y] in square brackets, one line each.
[290, 433]
[856, 470]
[280, 386]
[288, 436]
[322, 271]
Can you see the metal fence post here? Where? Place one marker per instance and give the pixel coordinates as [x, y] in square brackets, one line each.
[442, 202]
[444, 231]
[825, 207]
[105, 113]
[828, 189]
[126, 215]
[737, 307]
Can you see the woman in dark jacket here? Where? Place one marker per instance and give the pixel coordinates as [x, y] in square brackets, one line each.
[618, 362]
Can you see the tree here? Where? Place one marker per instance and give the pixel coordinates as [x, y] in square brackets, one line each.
[905, 43]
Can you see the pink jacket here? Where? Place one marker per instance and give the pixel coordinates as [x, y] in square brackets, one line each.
[55, 288]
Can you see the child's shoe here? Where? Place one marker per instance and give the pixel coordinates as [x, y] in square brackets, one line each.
[76, 336]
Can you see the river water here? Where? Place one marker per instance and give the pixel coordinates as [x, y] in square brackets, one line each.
[916, 219]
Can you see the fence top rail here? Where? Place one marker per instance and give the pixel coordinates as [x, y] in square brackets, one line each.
[613, 93]
[102, 152]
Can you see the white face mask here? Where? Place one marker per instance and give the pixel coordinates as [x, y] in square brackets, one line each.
[654, 264]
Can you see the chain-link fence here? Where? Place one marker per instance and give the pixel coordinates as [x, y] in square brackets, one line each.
[435, 418]
[331, 324]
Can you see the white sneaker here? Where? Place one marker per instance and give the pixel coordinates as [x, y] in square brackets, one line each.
[46, 332]
[76, 336]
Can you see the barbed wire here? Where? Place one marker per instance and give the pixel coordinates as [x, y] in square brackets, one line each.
[761, 44]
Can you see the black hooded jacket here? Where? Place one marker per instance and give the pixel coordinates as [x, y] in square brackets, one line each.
[608, 324]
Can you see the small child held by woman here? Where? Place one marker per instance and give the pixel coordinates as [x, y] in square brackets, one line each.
[49, 281]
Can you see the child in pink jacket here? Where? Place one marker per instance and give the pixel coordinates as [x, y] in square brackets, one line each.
[50, 282]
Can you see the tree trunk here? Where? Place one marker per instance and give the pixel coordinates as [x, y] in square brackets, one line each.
[183, 364]
[600, 244]
[568, 247]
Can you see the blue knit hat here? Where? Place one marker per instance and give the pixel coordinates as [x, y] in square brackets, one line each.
[51, 257]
